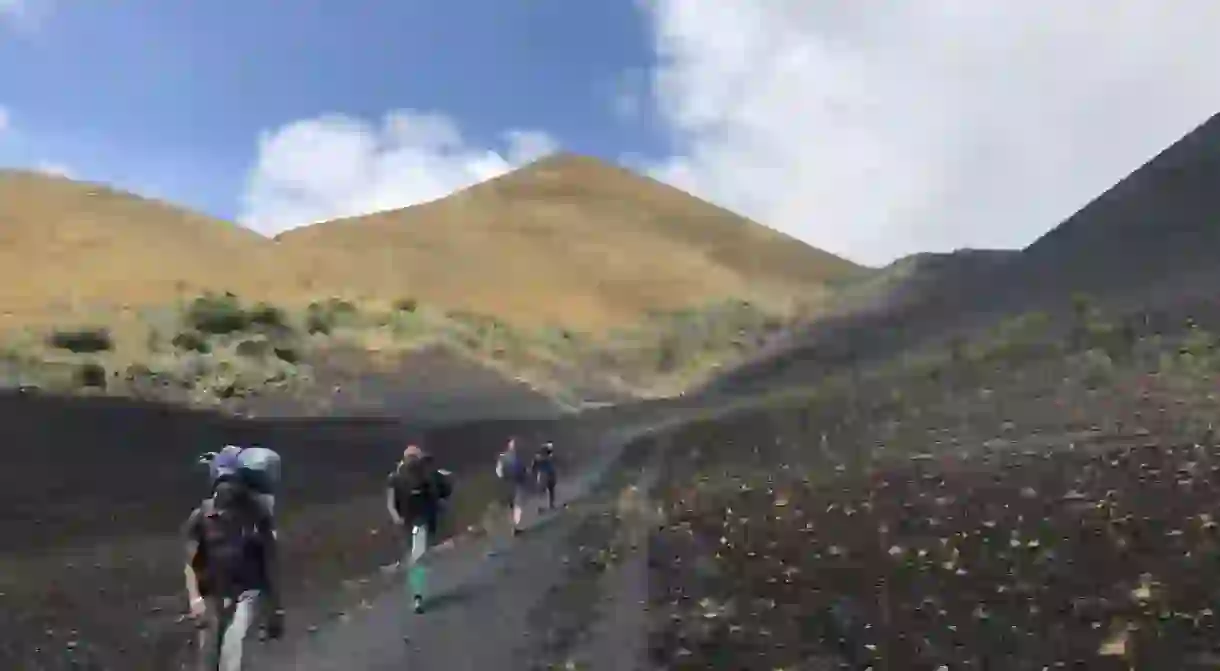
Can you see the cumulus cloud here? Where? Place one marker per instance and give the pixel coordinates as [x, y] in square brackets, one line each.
[336, 165]
[876, 128]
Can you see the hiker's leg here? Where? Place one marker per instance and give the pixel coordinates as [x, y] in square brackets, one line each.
[207, 637]
[416, 571]
[233, 639]
[408, 540]
[517, 508]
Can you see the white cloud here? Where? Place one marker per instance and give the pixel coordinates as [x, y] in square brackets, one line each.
[5, 119]
[876, 128]
[335, 165]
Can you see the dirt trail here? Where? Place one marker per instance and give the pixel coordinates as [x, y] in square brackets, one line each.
[488, 594]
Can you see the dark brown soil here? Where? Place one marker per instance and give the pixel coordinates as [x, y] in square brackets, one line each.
[1022, 519]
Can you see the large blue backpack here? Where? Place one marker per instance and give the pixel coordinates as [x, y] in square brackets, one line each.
[257, 467]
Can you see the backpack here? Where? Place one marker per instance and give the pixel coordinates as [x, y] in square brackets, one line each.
[419, 486]
[257, 467]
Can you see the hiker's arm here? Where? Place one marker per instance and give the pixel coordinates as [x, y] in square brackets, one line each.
[391, 503]
[271, 559]
[192, 549]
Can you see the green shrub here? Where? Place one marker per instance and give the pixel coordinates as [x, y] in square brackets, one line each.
[406, 305]
[216, 315]
[317, 320]
[82, 341]
[323, 316]
[287, 354]
[91, 375]
[253, 348]
[192, 341]
[267, 316]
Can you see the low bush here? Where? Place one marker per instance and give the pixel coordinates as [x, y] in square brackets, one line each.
[91, 375]
[321, 317]
[216, 314]
[192, 341]
[82, 341]
[268, 316]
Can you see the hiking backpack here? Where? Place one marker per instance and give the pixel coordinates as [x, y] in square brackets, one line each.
[257, 467]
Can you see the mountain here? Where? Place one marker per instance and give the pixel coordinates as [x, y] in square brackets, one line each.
[569, 241]
[69, 247]
[1150, 242]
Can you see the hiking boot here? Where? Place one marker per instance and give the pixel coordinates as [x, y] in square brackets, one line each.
[419, 605]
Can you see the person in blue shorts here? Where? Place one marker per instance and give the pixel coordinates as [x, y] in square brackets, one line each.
[514, 476]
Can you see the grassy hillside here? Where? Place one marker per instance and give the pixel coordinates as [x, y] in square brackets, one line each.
[567, 241]
[68, 246]
[581, 277]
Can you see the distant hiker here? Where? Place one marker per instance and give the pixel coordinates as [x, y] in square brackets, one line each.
[513, 476]
[232, 572]
[543, 469]
[414, 494]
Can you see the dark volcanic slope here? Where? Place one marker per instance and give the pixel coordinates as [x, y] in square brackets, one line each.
[432, 386]
[1155, 228]
[919, 279]
[1151, 240]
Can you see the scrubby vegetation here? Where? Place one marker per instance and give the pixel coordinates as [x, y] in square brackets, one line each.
[81, 341]
[217, 348]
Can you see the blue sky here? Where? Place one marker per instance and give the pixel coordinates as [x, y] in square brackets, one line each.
[171, 96]
[871, 128]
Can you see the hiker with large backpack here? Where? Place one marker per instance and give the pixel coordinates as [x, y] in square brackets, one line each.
[232, 568]
[513, 478]
[415, 492]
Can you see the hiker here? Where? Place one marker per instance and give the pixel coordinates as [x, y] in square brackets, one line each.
[543, 468]
[415, 491]
[512, 475]
[232, 572]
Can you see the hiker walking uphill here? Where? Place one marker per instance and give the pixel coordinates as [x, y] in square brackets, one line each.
[414, 492]
[512, 474]
[232, 572]
[543, 469]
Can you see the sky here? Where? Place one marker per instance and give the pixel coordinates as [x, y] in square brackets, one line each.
[871, 128]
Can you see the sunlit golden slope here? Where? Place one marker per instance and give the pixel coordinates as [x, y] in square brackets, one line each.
[567, 240]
